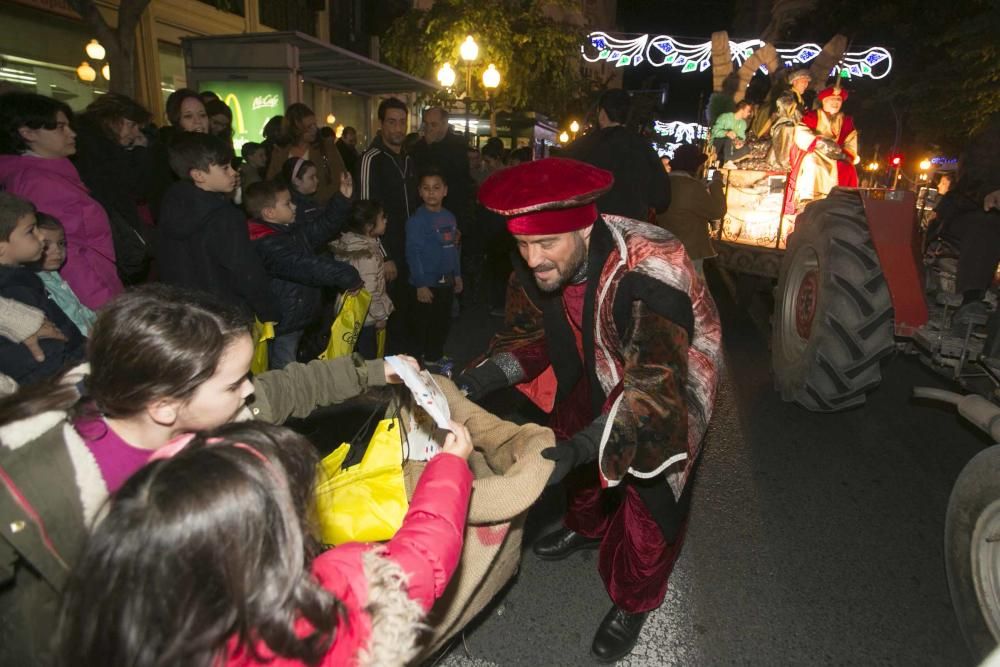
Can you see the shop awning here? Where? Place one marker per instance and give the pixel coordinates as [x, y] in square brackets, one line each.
[333, 66]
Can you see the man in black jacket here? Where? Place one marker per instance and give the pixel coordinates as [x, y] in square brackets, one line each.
[641, 182]
[387, 175]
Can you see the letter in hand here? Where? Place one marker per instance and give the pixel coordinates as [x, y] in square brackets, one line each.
[391, 377]
[346, 185]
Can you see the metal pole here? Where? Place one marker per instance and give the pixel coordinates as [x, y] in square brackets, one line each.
[468, 92]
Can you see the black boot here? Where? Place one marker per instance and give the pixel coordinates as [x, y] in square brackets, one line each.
[617, 634]
[561, 543]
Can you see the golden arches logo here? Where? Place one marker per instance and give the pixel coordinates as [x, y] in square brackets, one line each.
[233, 103]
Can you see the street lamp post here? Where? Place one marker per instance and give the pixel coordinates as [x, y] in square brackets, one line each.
[491, 79]
[469, 52]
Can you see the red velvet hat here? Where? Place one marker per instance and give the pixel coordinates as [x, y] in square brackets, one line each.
[549, 196]
[836, 91]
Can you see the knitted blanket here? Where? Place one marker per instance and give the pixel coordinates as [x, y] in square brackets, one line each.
[510, 475]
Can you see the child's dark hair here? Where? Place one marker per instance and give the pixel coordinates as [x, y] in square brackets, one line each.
[12, 209]
[175, 101]
[29, 110]
[261, 195]
[249, 148]
[109, 110]
[364, 213]
[235, 503]
[293, 168]
[194, 150]
[431, 172]
[51, 223]
[151, 342]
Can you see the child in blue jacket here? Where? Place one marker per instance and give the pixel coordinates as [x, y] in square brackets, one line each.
[435, 274]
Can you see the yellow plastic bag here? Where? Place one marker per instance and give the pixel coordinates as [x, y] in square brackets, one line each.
[347, 326]
[380, 343]
[366, 502]
[262, 332]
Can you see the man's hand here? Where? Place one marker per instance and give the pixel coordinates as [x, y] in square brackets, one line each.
[47, 330]
[390, 375]
[346, 185]
[567, 455]
[390, 270]
[425, 295]
[992, 200]
[731, 134]
[482, 380]
[458, 285]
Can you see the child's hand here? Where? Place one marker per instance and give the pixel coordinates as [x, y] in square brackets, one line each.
[458, 441]
[47, 330]
[391, 377]
[458, 285]
[425, 295]
[390, 270]
[346, 185]
[380, 324]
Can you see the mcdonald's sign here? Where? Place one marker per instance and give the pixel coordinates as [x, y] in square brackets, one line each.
[253, 103]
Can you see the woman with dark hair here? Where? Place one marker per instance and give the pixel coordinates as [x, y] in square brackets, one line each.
[163, 362]
[234, 502]
[115, 163]
[220, 119]
[185, 113]
[300, 139]
[36, 141]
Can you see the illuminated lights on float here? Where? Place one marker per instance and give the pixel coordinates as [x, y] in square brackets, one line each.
[676, 133]
[662, 50]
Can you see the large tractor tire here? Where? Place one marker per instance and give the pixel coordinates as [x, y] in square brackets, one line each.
[972, 551]
[833, 314]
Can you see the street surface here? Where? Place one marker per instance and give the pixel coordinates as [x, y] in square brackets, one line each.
[814, 539]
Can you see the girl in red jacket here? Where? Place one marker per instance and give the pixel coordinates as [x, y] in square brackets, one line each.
[206, 559]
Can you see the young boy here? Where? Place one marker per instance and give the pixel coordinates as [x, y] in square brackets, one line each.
[435, 274]
[203, 236]
[254, 161]
[288, 252]
[20, 243]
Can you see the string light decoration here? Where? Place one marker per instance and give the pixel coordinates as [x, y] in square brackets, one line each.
[675, 133]
[662, 50]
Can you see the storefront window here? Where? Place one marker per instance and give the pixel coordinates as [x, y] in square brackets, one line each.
[40, 53]
[172, 75]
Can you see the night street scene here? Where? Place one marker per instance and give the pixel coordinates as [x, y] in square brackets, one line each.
[455, 333]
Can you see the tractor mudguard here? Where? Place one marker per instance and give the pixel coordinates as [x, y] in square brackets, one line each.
[894, 233]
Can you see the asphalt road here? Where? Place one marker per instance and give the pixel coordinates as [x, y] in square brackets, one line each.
[814, 539]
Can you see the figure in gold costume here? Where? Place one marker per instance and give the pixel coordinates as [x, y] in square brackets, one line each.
[825, 150]
[789, 109]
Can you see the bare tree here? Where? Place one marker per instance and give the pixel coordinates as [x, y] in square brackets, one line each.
[119, 42]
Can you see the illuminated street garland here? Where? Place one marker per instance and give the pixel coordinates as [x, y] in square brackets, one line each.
[662, 50]
[676, 133]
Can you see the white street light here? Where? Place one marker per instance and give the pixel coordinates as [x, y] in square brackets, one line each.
[574, 127]
[491, 77]
[95, 50]
[469, 49]
[106, 72]
[563, 137]
[446, 76]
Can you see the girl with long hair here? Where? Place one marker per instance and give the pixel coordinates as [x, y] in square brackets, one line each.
[163, 362]
[206, 559]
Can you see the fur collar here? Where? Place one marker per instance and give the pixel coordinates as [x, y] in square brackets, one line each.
[395, 616]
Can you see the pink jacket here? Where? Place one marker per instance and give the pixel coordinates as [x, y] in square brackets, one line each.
[54, 186]
[387, 589]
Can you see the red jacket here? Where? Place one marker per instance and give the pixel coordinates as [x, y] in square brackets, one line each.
[386, 589]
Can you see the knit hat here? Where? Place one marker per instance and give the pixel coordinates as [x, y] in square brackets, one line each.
[550, 196]
[687, 157]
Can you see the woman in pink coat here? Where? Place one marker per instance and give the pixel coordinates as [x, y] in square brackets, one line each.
[205, 559]
[36, 141]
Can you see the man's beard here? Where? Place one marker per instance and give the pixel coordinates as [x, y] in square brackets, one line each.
[576, 270]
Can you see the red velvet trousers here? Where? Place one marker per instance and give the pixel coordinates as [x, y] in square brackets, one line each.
[635, 561]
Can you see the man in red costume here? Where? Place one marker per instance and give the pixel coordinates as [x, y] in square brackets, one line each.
[825, 150]
[610, 330]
